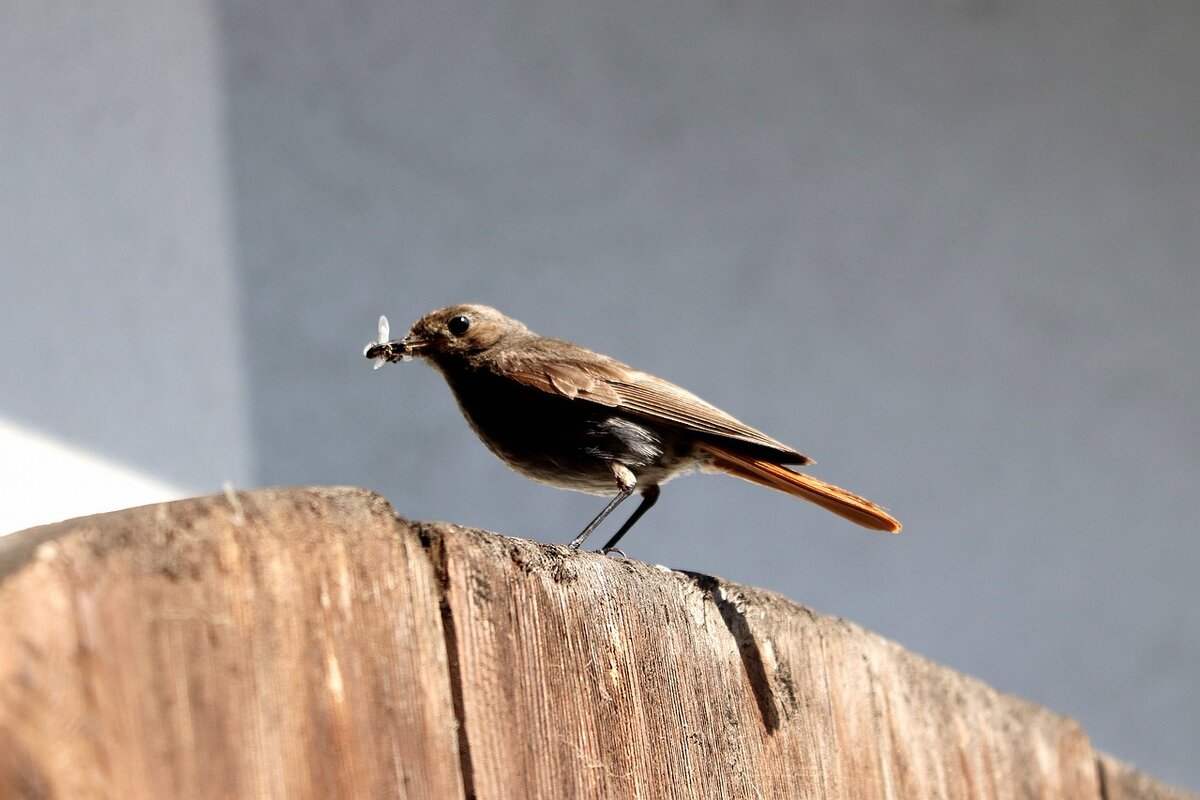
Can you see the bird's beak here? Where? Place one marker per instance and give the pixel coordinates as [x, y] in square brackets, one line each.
[394, 350]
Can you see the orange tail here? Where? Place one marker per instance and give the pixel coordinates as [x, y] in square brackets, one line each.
[839, 501]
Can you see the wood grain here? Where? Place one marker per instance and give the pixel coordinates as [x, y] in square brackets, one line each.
[1122, 782]
[287, 644]
[590, 676]
[306, 643]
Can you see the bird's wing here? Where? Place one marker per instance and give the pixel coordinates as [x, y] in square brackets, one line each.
[588, 376]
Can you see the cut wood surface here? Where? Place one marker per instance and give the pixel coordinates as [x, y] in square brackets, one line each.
[307, 643]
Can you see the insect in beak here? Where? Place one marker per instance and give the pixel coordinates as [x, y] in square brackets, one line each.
[384, 349]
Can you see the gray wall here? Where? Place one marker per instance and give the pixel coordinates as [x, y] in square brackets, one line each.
[948, 249]
[120, 328]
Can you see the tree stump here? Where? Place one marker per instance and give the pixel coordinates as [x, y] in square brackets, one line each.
[308, 643]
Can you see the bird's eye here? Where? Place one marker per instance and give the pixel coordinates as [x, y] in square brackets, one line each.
[459, 325]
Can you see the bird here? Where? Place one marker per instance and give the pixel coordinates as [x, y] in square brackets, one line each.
[569, 417]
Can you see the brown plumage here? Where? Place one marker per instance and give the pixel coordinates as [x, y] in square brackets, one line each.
[570, 417]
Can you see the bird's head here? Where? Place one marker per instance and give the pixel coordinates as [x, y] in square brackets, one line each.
[448, 334]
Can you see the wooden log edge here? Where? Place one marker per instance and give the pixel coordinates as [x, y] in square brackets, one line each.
[310, 643]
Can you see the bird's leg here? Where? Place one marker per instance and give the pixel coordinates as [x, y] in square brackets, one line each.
[626, 483]
[591, 526]
[649, 498]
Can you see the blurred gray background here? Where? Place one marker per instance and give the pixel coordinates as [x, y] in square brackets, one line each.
[949, 249]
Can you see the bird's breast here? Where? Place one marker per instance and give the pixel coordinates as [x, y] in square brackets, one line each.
[569, 443]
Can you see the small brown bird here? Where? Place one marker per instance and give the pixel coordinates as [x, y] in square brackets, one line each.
[568, 417]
